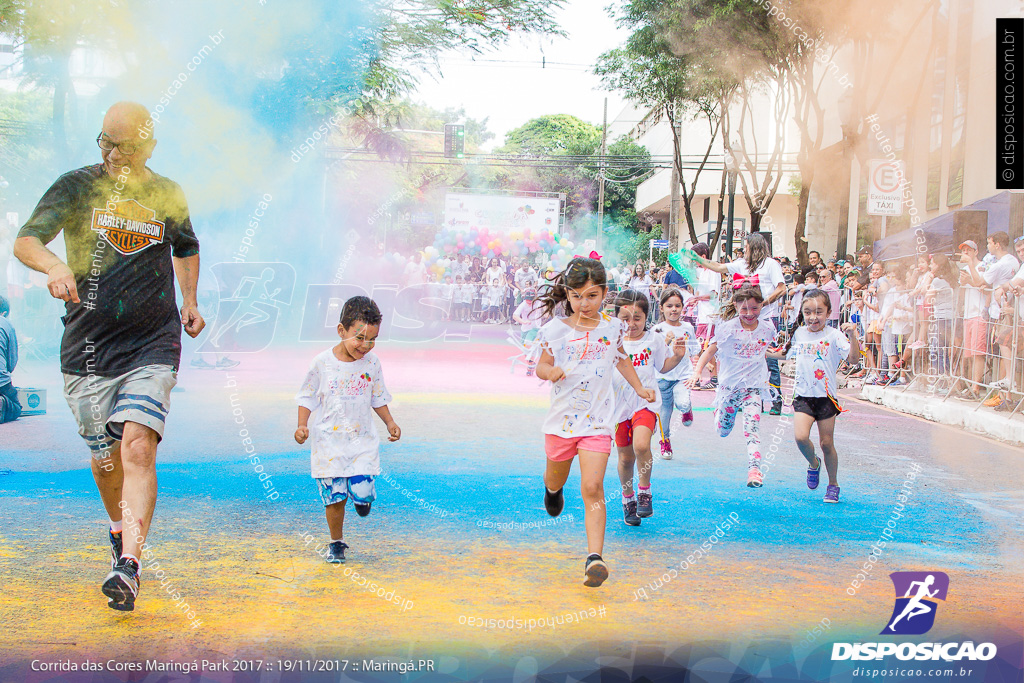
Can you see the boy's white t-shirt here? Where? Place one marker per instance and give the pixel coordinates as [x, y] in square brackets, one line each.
[769, 277]
[796, 300]
[686, 331]
[818, 355]
[341, 397]
[975, 301]
[582, 403]
[901, 319]
[648, 354]
[532, 312]
[708, 282]
[464, 293]
[741, 355]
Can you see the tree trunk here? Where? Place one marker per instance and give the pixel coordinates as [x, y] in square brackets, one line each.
[801, 216]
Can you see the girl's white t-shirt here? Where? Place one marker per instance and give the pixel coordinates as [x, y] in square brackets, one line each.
[648, 354]
[818, 355]
[943, 298]
[341, 397]
[686, 331]
[583, 402]
[769, 277]
[741, 355]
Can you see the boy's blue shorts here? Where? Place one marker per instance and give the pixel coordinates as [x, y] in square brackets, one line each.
[337, 489]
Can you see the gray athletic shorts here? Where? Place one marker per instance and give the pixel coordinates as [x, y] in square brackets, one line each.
[101, 405]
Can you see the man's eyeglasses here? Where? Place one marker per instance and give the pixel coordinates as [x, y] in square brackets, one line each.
[125, 148]
[1018, 240]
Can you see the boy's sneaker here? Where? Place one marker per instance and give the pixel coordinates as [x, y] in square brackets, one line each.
[227, 363]
[553, 502]
[201, 363]
[595, 571]
[1003, 383]
[337, 554]
[116, 546]
[754, 478]
[688, 418]
[831, 494]
[362, 509]
[813, 476]
[629, 513]
[710, 384]
[776, 409]
[644, 505]
[666, 449]
[122, 585]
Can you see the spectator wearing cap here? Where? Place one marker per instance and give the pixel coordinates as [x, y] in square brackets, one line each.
[865, 260]
[10, 408]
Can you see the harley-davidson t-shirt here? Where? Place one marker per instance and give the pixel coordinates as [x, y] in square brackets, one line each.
[120, 238]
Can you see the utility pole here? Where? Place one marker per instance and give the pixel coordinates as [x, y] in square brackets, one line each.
[600, 191]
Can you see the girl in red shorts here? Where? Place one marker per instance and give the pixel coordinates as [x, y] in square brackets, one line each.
[579, 354]
[650, 352]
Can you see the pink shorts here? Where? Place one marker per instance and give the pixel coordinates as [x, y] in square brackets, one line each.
[975, 337]
[559, 448]
[705, 330]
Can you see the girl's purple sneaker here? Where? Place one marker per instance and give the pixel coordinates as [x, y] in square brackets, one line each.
[813, 476]
[832, 494]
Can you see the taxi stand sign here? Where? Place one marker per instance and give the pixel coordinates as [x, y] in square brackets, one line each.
[885, 187]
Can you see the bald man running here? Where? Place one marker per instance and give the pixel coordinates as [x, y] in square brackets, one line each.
[128, 233]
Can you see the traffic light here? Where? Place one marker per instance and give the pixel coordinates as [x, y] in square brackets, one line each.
[454, 140]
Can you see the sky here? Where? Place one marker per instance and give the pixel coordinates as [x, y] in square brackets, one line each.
[509, 87]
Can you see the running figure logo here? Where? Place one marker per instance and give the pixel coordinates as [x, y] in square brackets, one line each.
[917, 594]
[251, 297]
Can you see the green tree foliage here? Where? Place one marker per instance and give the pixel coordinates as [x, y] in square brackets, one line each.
[578, 175]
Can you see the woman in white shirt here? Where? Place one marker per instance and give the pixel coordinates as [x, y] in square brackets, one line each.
[641, 281]
[758, 263]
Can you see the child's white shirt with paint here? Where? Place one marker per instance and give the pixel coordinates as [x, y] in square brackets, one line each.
[341, 397]
[685, 367]
[582, 403]
[648, 354]
[818, 355]
[742, 354]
